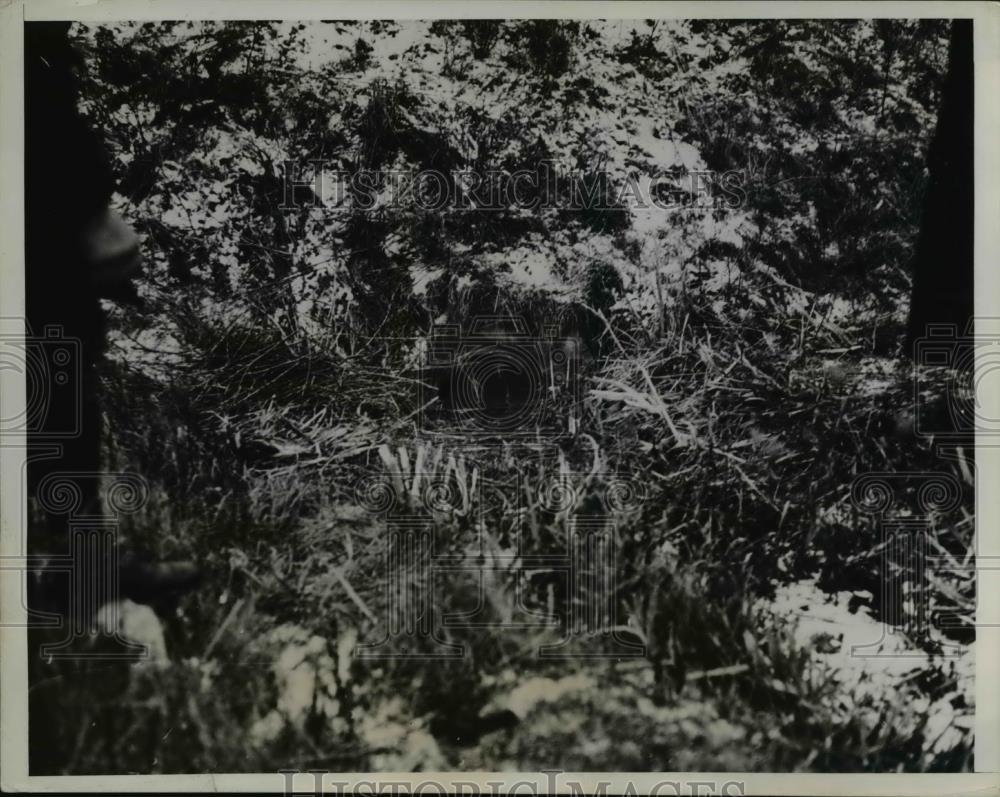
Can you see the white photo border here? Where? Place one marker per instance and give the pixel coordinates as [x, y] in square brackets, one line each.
[13, 646]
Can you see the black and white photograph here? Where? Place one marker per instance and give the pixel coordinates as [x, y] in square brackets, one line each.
[540, 392]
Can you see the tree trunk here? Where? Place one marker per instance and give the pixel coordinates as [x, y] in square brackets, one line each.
[943, 266]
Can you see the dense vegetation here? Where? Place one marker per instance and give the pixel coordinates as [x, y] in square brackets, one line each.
[742, 363]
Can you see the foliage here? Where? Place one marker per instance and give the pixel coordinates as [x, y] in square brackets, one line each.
[271, 369]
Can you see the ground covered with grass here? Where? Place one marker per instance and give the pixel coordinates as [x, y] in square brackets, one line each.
[738, 368]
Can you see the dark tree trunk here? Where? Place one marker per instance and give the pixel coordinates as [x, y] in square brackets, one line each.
[943, 267]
